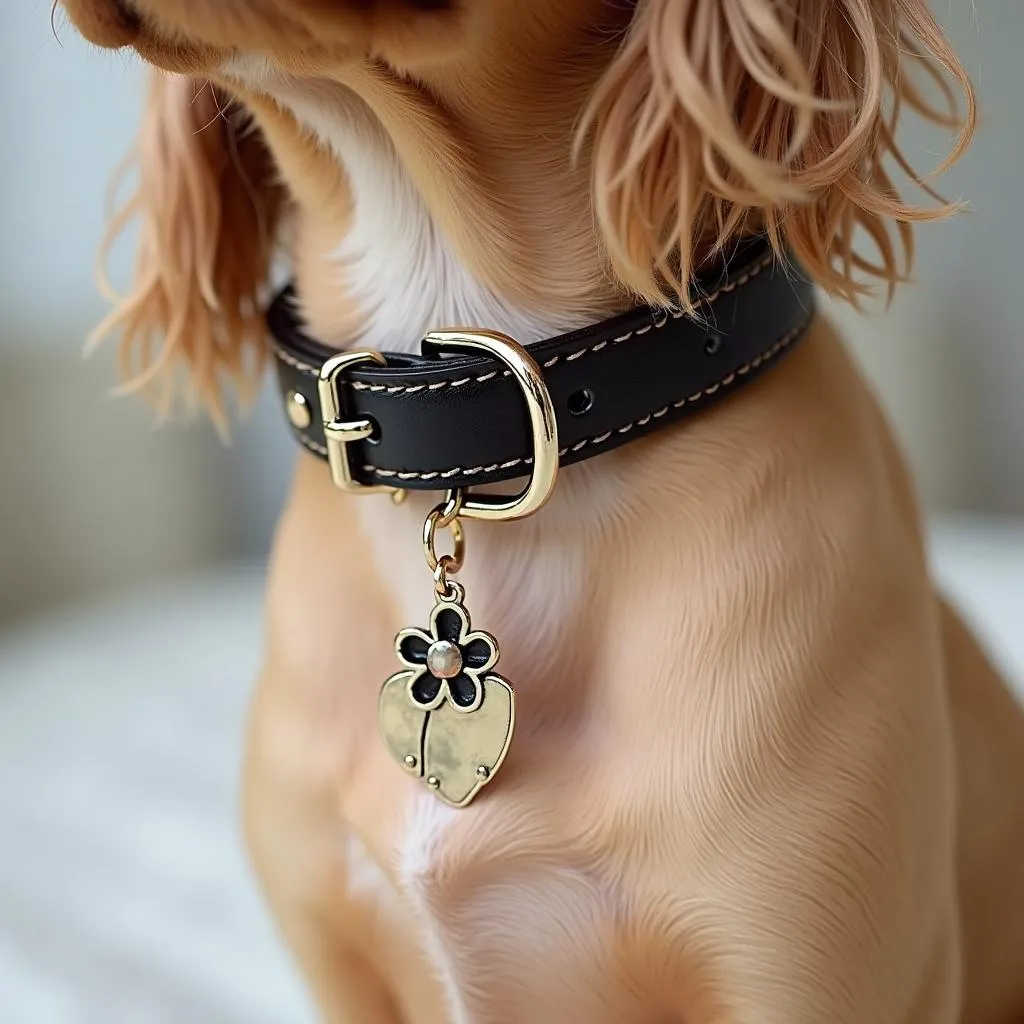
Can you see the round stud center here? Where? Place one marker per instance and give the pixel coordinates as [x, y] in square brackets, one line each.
[444, 659]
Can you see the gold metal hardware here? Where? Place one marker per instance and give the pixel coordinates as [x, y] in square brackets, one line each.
[541, 411]
[447, 718]
[339, 432]
[442, 585]
[444, 516]
[299, 414]
[430, 526]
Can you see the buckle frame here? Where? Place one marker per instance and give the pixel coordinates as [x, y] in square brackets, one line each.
[541, 411]
[340, 432]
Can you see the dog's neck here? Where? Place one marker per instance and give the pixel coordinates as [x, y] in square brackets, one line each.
[422, 246]
[397, 272]
[406, 277]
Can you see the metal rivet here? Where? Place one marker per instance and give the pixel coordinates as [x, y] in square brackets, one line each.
[410, 761]
[483, 772]
[298, 410]
[434, 782]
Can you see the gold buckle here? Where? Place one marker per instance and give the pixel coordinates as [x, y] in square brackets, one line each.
[340, 432]
[541, 411]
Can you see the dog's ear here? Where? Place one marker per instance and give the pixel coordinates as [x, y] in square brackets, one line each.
[719, 117]
[207, 202]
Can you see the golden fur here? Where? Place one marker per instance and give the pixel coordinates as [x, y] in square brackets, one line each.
[210, 202]
[762, 772]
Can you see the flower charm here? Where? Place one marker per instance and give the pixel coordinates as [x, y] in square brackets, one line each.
[425, 708]
[448, 661]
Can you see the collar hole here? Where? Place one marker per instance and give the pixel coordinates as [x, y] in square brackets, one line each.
[581, 402]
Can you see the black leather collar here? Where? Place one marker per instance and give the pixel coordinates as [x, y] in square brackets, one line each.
[460, 420]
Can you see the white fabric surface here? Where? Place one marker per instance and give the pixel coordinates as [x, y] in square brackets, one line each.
[125, 897]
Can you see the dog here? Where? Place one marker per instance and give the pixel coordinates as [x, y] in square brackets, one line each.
[762, 771]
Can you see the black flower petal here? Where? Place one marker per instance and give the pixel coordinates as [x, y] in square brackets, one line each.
[448, 625]
[464, 690]
[414, 649]
[425, 689]
[477, 653]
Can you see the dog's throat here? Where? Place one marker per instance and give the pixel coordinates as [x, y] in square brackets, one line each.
[477, 407]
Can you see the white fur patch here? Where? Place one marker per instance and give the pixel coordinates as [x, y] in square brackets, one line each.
[399, 267]
[367, 882]
[428, 823]
[394, 261]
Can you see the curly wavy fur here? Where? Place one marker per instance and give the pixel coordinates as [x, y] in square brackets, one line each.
[716, 118]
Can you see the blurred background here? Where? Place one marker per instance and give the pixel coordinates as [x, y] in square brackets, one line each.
[131, 557]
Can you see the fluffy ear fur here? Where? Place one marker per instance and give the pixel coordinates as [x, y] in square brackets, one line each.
[208, 204]
[722, 116]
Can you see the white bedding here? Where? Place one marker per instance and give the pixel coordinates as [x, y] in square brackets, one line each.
[124, 895]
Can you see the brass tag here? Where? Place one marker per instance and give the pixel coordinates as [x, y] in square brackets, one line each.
[446, 717]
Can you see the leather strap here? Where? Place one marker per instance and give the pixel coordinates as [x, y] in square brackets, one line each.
[461, 420]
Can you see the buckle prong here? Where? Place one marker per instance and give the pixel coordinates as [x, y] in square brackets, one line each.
[339, 432]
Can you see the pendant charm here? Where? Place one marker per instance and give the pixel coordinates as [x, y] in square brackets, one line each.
[447, 718]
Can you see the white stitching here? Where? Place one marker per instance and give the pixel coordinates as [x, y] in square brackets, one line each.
[313, 446]
[286, 357]
[704, 303]
[600, 438]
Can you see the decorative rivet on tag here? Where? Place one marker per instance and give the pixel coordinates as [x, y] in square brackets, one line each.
[444, 660]
[298, 410]
[410, 761]
[434, 782]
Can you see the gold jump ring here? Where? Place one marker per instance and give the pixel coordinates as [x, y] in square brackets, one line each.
[451, 507]
[445, 587]
[430, 525]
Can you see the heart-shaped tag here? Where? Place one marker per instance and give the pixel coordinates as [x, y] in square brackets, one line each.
[455, 752]
[447, 718]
